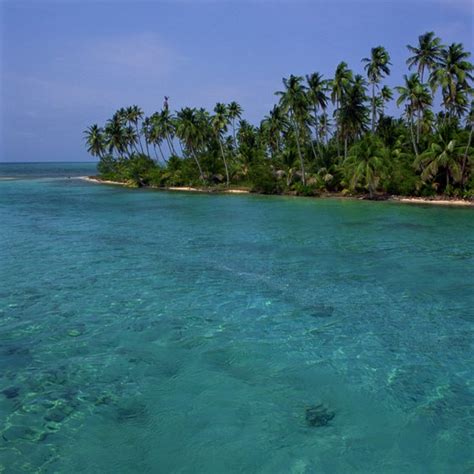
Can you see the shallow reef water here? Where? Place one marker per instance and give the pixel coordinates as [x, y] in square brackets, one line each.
[145, 331]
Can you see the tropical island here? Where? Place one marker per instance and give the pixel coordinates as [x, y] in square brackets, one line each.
[323, 136]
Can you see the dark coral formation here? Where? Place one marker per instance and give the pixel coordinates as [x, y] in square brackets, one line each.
[11, 392]
[318, 415]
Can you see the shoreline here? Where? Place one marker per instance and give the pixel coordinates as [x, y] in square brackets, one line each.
[93, 179]
[436, 201]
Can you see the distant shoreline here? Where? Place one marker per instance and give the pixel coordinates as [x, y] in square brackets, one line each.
[435, 201]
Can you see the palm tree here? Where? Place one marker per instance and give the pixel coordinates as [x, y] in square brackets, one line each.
[453, 75]
[417, 98]
[250, 143]
[376, 67]
[294, 101]
[133, 115]
[318, 99]
[353, 113]
[95, 140]
[234, 111]
[444, 155]
[470, 126]
[219, 124]
[324, 127]
[272, 127]
[167, 126]
[426, 55]
[386, 95]
[156, 134]
[365, 164]
[206, 134]
[115, 138]
[339, 85]
[188, 130]
[146, 132]
[130, 139]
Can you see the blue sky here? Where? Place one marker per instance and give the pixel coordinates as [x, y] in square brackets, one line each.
[66, 64]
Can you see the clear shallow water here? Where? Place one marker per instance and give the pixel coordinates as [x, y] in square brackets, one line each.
[147, 331]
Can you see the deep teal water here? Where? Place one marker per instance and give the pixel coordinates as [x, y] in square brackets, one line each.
[161, 332]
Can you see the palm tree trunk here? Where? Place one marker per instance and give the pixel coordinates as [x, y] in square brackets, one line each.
[314, 151]
[337, 128]
[147, 147]
[303, 175]
[193, 152]
[134, 145]
[156, 154]
[371, 191]
[233, 133]
[170, 145]
[345, 147]
[373, 107]
[464, 160]
[415, 148]
[316, 134]
[225, 162]
[139, 139]
[418, 128]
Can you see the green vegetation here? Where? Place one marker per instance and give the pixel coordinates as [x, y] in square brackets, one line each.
[323, 135]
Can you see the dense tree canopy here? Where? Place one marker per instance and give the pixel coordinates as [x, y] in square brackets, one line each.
[323, 135]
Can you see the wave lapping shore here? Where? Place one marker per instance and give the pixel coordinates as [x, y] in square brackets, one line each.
[437, 201]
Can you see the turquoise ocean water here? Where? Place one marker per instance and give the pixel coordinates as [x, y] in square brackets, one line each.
[157, 332]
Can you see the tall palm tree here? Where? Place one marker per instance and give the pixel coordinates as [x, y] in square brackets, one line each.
[95, 140]
[293, 100]
[133, 115]
[417, 98]
[168, 128]
[426, 55]
[206, 134]
[131, 140]
[377, 66]
[156, 134]
[470, 126]
[234, 111]
[454, 75]
[272, 127]
[386, 95]
[188, 130]
[146, 132]
[317, 88]
[324, 127]
[250, 141]
[353, 114]
[219, 124]
[115, 137]
[340, 83]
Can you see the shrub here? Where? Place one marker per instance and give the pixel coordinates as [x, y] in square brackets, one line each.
[263, 180]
